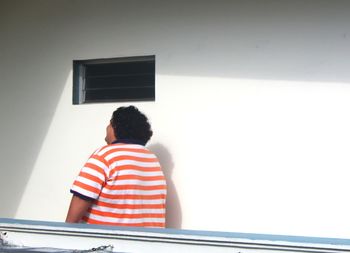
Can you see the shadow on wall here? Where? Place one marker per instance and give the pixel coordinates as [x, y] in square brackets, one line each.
[173, 212]
[33, 72]
[270, 40]
[24, 130]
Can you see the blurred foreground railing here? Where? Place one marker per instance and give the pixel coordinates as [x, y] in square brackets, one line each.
[82, 237]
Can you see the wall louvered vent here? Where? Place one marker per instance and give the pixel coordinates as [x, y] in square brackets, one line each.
[113, 80]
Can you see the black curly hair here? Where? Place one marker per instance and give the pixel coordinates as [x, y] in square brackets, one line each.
[130, 123]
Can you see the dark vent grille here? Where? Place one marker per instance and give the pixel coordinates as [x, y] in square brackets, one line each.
[117, 79]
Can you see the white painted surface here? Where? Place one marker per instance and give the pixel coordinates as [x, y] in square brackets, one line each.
[250, 119]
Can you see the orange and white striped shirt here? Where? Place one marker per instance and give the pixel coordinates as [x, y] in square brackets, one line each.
[127, 185]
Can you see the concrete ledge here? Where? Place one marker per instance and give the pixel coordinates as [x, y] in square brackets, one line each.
[124, 239]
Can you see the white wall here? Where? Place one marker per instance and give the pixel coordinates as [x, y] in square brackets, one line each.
[250, 119]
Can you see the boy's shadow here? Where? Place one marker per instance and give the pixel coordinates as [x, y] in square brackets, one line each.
[173, 208]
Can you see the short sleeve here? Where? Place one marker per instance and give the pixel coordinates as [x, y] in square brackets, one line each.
[91, 178]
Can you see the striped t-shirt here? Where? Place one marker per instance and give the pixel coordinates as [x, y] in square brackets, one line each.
[127, 185]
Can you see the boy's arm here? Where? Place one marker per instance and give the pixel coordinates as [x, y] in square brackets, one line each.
[78, 207]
